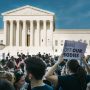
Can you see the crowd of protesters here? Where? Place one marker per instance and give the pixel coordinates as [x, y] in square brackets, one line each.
[43, 72]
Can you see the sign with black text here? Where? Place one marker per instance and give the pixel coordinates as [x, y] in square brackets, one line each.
[73, 50]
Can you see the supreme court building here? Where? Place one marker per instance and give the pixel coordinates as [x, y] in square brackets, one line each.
[31, 30]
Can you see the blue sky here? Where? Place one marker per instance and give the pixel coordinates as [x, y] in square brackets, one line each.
[69, 14]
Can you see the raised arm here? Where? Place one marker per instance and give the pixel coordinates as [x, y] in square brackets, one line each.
[86, 65]
[50, 74]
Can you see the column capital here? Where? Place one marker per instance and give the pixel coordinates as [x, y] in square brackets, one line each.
[44, 20]
[38, 20]
[24, 20]
[17, 20]
[11, 21]
[31, 20]
[51, 21]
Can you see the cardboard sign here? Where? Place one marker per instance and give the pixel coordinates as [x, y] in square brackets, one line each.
[74, 50]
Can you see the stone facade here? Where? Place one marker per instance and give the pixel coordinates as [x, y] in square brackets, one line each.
[31, 30]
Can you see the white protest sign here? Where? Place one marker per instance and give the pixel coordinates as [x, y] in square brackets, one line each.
[74, 49]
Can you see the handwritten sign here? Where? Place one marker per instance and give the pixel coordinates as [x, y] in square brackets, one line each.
[74, 49]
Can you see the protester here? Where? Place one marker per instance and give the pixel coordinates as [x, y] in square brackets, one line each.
[19, 82]
[75, 80]
[36, 70]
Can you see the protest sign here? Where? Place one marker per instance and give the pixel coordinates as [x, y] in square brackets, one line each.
[74, 50]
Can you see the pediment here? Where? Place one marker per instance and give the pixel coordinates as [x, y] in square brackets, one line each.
[27, 10]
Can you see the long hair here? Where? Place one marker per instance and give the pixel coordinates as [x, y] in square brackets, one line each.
[80, 73]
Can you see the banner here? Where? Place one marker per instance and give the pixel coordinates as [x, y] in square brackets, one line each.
[73, 50]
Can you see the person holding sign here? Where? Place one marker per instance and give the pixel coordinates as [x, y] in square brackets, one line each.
[76, 79]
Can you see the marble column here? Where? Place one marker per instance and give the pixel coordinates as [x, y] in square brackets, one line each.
[17, 34]
[38, 32]
[24, 34]
[45, 31]
[5, 33]
[51, 28]
[11, 32]
[31, 33]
